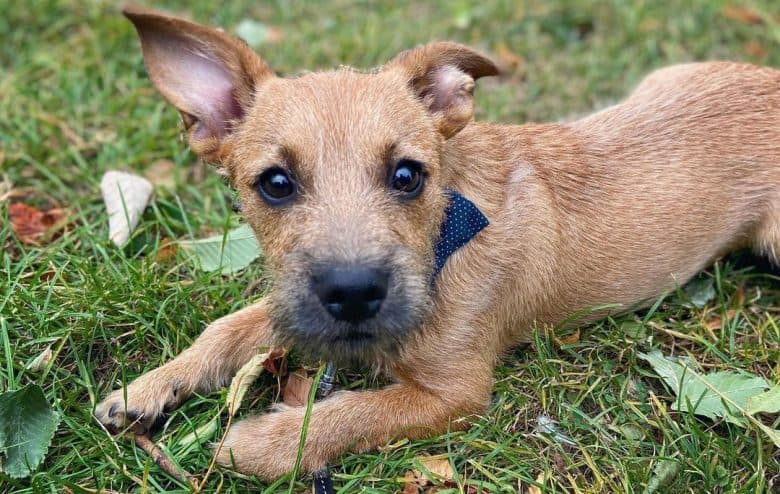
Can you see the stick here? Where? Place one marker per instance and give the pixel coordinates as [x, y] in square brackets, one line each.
[162, 460]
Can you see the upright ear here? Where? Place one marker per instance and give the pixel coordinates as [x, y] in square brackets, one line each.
[443, 74]
[209, 76]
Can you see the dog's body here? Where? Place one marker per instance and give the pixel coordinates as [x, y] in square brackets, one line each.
[615, 208]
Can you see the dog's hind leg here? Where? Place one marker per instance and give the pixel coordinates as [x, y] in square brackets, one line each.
[767, 239]
[223, 347]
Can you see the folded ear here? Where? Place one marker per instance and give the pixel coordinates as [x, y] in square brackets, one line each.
[209, 76]
[443, 74]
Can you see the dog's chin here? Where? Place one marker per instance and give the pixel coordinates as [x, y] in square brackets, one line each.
[307, 328]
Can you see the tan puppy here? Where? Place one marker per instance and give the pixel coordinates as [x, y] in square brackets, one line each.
[343, 176]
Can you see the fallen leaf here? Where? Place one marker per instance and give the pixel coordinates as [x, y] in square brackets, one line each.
[719, 394]
[40, 362]
[439, 467]
[766, 402]
[741, 14]
[6, 186]
[244, 378]
[228, 252]
[257, 33]
[434, 469]
[716, 322]
[276, 363]
[126, 196]
[296, 391]
[533, 489]
[754, 49]
[167, 250]
[161, 173]
[699, 292]
[35, 227]
[27, 426]
[569, 339]
[547, 426]
[663, 474]
[633, 329]
[509, 59]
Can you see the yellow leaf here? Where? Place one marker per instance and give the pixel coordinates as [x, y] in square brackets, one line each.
[244, 378]
[534, 489]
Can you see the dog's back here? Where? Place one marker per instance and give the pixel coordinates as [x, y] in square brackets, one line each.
[690, 164]
[642, 195]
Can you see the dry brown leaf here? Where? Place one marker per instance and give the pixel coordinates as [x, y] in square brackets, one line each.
[741, 14]
[510, 60]
[275, 35]
[754, 49]
[568, 340]
[276, 363]
[715, 322]
[166, 251]
[33, 226]
[439, 466]
[532, 489]
[435, 469]
[413, 482]
[296, 391]
[161, 173]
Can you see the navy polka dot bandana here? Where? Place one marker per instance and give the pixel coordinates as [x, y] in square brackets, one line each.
[462, 221]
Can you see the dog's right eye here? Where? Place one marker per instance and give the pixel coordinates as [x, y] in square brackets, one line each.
[275, 186]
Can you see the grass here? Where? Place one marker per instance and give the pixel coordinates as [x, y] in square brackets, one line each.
[75, 101]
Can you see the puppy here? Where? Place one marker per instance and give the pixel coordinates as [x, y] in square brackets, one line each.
[401, 234]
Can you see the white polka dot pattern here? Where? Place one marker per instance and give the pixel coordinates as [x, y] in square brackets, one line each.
[462, 221]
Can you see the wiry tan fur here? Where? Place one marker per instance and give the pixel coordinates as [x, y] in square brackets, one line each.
[615, 208]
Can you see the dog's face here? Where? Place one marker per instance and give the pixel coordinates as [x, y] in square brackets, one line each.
[338, 172]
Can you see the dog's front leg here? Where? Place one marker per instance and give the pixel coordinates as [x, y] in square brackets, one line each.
[223, 347]
[267, 445]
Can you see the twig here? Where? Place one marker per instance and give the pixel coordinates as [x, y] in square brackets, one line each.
[162, 460]
[213, 462]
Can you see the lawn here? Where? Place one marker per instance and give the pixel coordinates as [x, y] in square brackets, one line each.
[75, 101]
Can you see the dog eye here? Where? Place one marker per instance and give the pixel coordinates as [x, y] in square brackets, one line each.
[275, 186]
[408, 178]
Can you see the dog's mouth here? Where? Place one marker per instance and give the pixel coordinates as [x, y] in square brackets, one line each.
[358, 331]
[354, 336]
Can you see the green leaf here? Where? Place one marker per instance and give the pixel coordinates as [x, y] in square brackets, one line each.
[227, 253]
[27, 425]
[700, 291]
[767, 402]
[664, 473]
[253, 32]
[669, 370]
[719, 394]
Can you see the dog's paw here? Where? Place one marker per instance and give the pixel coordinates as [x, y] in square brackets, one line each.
[148, 399]
[267, 445]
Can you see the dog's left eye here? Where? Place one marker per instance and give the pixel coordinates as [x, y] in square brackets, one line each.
[408, 178]
[275, 186]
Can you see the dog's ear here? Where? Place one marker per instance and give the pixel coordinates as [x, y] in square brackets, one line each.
[209, 76]
[442, 74]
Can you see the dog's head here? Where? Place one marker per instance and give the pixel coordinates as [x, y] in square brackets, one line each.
[338, 173]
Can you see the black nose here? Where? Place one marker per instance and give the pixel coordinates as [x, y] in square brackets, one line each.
[351, 293]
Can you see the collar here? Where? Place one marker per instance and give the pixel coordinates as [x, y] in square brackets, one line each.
[462, 221]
